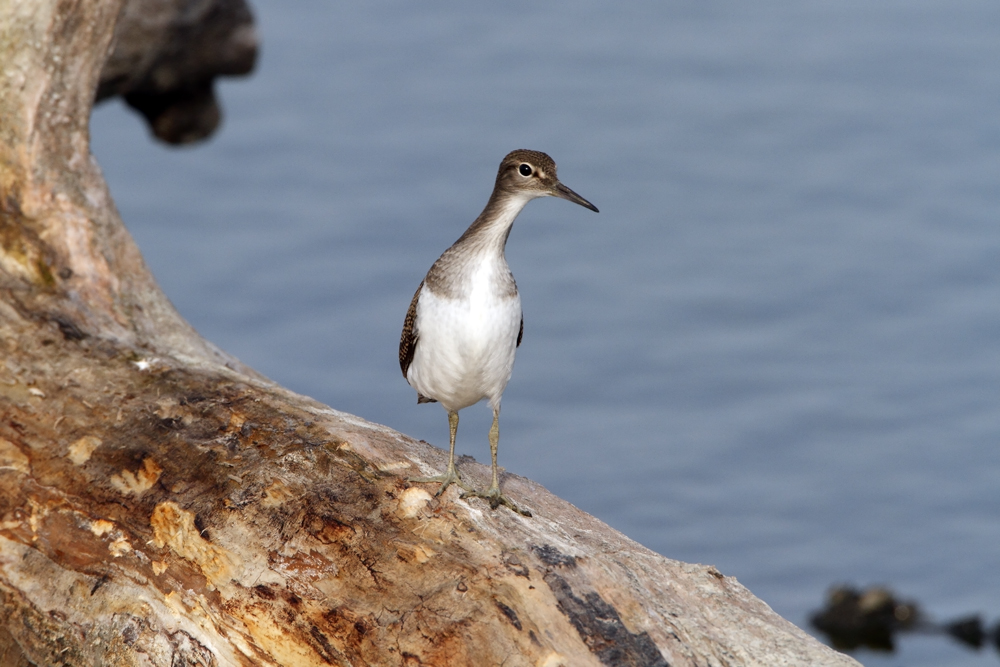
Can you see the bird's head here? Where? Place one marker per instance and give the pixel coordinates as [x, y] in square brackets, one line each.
[533, 173]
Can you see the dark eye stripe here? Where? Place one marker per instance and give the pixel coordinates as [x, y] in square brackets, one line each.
[525, 169]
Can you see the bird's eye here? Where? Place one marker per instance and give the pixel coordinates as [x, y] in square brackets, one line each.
[525, 169]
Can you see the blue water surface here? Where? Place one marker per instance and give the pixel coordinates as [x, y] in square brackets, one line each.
[777, 347]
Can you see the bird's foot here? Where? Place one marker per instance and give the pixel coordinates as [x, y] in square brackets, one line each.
[495, 499]
[446, 478]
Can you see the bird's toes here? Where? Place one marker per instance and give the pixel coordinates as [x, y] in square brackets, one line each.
[496, 499]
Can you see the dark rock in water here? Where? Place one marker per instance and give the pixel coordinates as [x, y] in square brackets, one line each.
[968, 630]
[873, 617]
[869, 618]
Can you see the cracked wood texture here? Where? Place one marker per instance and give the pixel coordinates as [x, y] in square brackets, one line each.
[162, 504]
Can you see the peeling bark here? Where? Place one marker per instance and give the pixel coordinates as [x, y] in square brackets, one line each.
[162, 504]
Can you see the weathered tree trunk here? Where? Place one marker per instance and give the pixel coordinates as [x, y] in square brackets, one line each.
[161, 504]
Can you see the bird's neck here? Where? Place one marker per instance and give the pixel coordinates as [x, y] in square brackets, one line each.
[481, 246]
[489, 232]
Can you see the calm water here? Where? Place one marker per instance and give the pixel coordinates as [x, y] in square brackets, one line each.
[777, 347]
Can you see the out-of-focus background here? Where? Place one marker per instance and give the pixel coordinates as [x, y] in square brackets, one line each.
[775, 350]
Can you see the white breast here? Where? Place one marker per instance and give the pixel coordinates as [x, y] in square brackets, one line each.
[465, 346]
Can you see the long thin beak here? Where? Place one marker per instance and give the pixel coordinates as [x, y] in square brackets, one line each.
[563, 192]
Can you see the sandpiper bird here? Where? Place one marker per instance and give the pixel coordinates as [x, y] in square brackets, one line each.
[464, 323]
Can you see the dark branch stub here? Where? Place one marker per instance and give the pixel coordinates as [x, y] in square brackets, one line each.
[165, 62]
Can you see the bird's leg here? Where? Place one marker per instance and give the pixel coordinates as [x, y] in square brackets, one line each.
[493, 495]
[450, 476]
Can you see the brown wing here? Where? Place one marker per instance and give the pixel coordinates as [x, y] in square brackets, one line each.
[520, 333]
[408, 339]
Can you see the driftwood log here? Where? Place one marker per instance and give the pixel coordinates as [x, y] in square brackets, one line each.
[162, 504]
